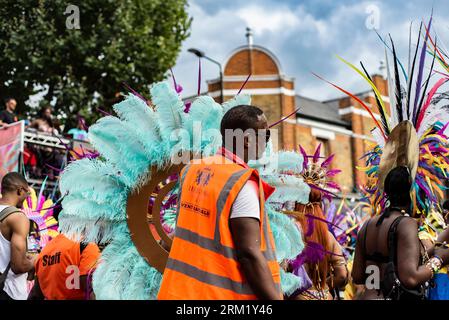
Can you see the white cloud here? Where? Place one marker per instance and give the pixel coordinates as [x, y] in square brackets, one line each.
[265, 19]
[303, 38]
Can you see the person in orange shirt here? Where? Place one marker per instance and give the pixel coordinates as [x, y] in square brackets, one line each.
[62, 270]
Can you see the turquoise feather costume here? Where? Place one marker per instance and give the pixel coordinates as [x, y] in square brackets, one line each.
[96, 190]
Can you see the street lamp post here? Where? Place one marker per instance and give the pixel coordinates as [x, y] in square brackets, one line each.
[200, 54]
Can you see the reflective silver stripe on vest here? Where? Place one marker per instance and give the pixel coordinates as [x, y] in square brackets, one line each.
[222, 198]
[269, 254]
[209, 244]
[205, 243]
[181, 182]
[209, 278]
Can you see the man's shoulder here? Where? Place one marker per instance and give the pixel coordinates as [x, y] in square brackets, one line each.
[17, 221]
[9, 212]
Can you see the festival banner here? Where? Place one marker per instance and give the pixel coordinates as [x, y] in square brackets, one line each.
[11, 145]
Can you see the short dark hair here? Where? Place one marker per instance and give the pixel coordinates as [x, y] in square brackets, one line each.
[11, 181]
[397, 186]
[7, 99]
[240, 117]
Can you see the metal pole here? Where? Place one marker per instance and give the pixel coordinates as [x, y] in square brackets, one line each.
[221, 86]
[221, 77]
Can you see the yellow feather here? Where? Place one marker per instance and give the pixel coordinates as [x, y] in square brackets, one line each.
[376, 91]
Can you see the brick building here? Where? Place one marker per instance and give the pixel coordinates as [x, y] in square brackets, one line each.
[341, 125]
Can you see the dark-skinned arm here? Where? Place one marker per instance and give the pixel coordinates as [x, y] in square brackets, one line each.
[20, 262]
[442, 251]
[358, 268]
[444, 236]
[246, 236]
[338, 261]
[410, 272]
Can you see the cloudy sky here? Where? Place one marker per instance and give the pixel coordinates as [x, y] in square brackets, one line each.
[306, 36]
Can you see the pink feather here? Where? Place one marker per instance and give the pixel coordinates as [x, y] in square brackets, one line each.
[326, 162]
[304, 155]
[316, 156]
[429, 100]
[332, 173]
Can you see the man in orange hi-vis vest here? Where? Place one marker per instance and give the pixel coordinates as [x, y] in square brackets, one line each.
[223, 248]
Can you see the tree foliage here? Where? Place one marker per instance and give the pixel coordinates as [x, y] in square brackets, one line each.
[80, 70]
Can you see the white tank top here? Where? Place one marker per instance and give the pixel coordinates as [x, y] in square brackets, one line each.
[15, 284]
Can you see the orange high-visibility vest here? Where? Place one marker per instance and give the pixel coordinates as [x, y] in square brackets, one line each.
[203, 263]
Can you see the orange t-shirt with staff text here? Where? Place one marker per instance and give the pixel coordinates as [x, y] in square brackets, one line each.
[59, 264]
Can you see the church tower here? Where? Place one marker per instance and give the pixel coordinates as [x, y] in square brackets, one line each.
[269, 87]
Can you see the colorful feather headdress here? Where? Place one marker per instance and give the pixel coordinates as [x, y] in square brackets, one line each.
[39, 209]
[318, 175]
[345, 222]
[412, 98]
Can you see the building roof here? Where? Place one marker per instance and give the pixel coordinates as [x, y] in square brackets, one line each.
[319, 111]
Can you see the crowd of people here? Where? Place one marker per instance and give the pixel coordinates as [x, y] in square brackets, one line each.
[244, 256]
[230, 217]
[40, 161]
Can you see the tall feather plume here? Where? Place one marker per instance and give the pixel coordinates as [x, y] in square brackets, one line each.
[435, 47]
[420, 105]
[375, 90]
[359, 101]
[382, 112]
[410, 79]
[393, 109]
[428, 102]
[409, 46]
[399, 61]
[398, 85]
[422, 61]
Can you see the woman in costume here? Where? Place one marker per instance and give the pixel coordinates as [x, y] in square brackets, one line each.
[323, 257]
[299, 184]
[327, 270]
[411, 135]
[394, 247]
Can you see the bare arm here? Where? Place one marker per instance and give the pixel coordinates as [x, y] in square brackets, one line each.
[20, 226]
[410, 273]
[338, 261]
[442, 251]
[359, 265]
[246, 236]
[444, 236]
